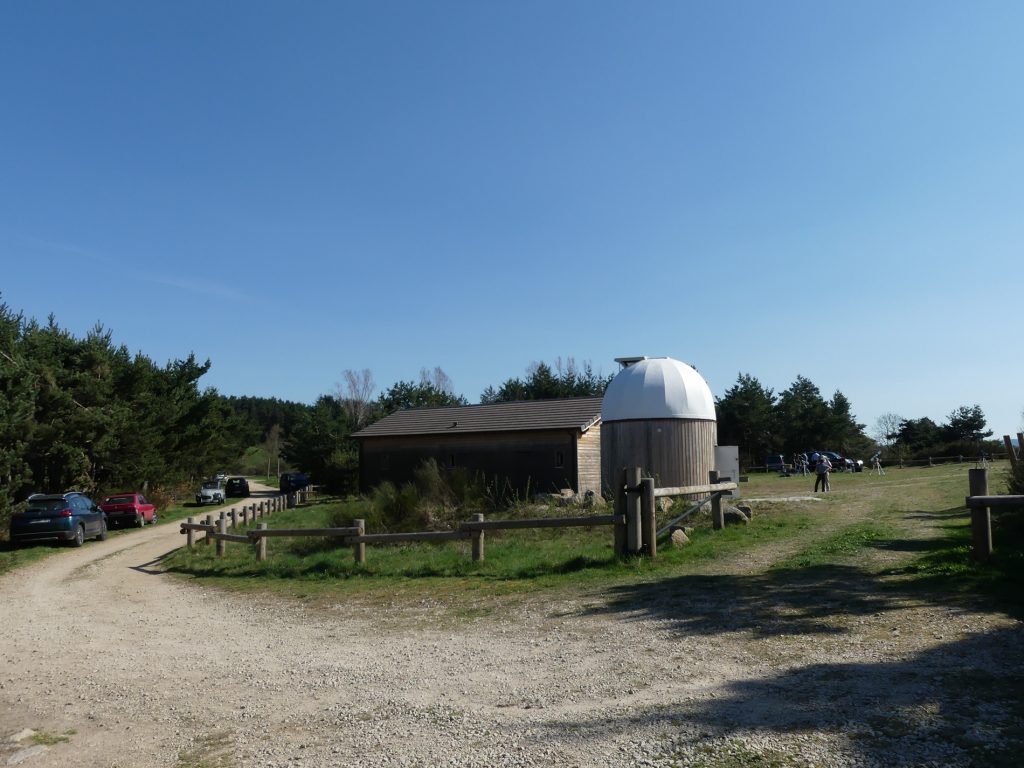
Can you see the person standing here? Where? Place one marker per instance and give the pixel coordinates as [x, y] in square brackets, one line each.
[821, 470]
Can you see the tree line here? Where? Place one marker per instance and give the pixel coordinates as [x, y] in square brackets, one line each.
[86, 414]
[962, 434]
[800, 419]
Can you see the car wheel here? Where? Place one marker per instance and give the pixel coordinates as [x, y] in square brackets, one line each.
[103, 532]
[139, 520]
[79, 539]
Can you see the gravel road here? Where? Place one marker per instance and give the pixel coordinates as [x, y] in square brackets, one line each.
[111, 662]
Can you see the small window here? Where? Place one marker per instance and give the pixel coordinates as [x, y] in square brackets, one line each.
[559, 459]
[451, 459]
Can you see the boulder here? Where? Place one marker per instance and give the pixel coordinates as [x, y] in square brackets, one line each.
[679, 538]
[736, 516]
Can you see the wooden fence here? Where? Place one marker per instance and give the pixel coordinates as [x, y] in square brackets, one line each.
[980, 504]
[632, 521]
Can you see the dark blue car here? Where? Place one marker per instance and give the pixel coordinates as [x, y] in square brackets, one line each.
[72, 517]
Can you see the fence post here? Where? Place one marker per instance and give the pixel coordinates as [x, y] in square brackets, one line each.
[234, 518]
[359, 548]
[245, 514]
[190, 537]
[647, 526]
[478, 539]
[209, 521]
[633, 510]
[1009, 450]
[981, 518]
[261, 509]
[619, 529]
[261, 544]
[717, 515]
[222, 527]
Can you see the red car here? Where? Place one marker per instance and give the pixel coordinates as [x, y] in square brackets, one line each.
[129, 507]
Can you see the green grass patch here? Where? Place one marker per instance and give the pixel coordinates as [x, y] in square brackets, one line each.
[950, 566]
[45, 739]
[12, 556]
[841, 546]
[518, 561]
[210, 751]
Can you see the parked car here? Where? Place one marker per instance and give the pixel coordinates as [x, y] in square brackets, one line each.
[72, 517]
[293, 481]
[212, 492]
[128, 508]
[237, 486]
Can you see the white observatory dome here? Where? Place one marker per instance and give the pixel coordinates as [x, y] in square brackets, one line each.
[657, 388]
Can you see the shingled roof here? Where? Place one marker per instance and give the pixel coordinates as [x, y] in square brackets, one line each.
[528, 415]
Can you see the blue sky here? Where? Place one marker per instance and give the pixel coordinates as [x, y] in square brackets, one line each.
[832, 190]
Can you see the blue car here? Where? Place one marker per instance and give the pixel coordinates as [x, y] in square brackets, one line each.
[72, 517]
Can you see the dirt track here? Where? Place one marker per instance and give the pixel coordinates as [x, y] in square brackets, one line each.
[138, 668]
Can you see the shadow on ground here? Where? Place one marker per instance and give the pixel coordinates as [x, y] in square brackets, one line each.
[955, 703]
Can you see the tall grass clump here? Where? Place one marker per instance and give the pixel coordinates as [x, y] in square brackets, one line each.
[435, 500]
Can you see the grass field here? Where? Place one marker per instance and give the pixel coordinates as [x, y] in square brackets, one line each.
[910, 524]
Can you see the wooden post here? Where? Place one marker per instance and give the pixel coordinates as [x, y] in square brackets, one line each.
[619, 532]
[234, 518]
[245, 514]
[478, 539]
[981, 518]
[261, 509]
[717, 514]
[633, 510]
[647, 526]
[190, 536]
[209, 521]
[261, 544]
[359, 548]
[1009, 450]
[222, 527]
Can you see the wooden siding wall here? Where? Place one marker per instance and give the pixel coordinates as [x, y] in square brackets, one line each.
[590, 461]
[675, 452]
[526, 460]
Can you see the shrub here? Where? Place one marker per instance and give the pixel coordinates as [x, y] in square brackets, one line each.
[1015, 481]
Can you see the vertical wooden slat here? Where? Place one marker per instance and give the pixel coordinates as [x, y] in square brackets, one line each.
[633, 510]
[647, 524]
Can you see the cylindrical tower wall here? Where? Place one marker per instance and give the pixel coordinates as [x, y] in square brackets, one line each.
[675, 452]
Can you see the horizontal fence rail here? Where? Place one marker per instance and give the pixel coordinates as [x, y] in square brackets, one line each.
[633, 522]
[541, 522]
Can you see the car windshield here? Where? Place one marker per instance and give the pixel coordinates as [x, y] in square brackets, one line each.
[213, 485]
[48, 505]
[118, 500]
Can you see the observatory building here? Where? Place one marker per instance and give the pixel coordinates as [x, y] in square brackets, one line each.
[658, 414]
